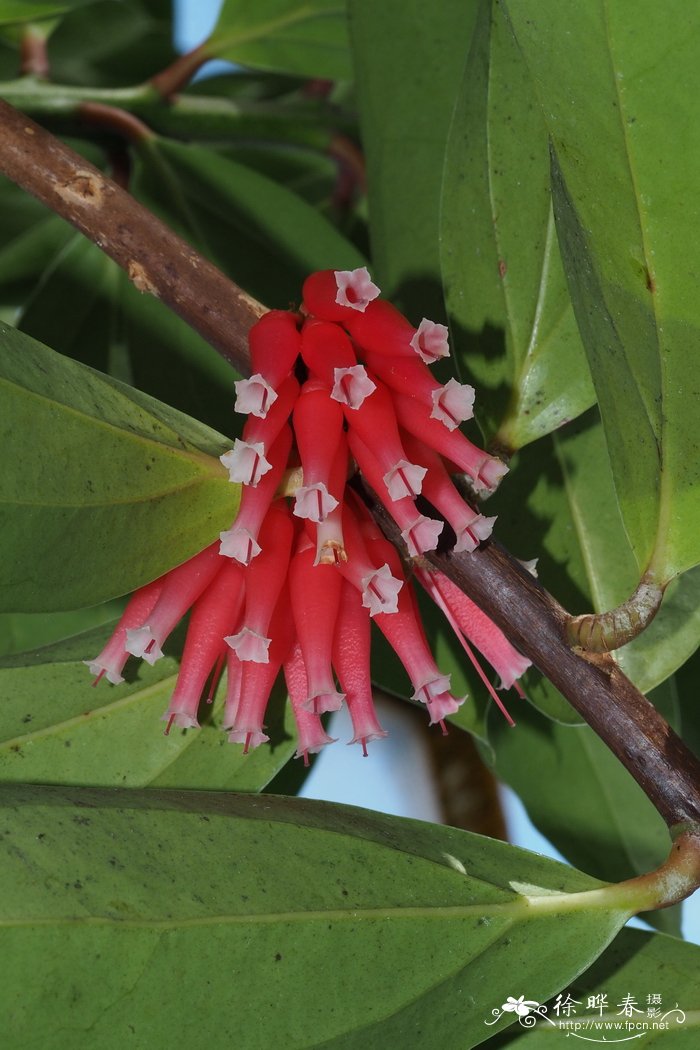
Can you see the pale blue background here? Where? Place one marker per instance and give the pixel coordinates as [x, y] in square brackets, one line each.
[395, 778]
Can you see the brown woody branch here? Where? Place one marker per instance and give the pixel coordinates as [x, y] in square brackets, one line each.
[161, 264]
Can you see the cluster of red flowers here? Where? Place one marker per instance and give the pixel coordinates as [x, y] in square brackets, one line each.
[294, 582]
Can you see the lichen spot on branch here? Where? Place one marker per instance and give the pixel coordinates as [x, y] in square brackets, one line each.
[139, 278]
[84, 186]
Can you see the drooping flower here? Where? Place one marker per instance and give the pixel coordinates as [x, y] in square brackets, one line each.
[294, 584]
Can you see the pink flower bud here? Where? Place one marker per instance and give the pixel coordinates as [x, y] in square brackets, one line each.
[376, 585]
[254, 396]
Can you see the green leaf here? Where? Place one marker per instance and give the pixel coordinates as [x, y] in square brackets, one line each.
[582, 798]
[104, 488]
[254, 901]
[610, 565]
[513, 324]
[14, 12]
[614, 91]
[112, 43]
[640, 965]
[304, 37]
[22, 631]
[560, 496]
[56, 728]
[408, 63]
[264, 236]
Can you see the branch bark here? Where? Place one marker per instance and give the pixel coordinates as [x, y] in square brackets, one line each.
[161, 264]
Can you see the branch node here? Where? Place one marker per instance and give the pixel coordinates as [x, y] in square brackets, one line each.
[601, 632]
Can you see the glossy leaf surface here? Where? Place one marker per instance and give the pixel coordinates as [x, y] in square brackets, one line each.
[408, 60]
[286, 36]
[614, 92]
[138, 490]
[56, 728]
[510, 312]
[421, 926]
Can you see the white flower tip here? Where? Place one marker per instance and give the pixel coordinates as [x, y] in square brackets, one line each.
[249, 645]
[250, 738]
[404, 479]
[478, 530]
[314, 502]
[323, 700]
[490, 474]
[517, 666]
[442, 705]
[141, 642]
[351, 386]
[530, 566]
[254, 396]
[422, 535]
[355, 288]
[431, 687]
[380, 591]
[181, 719]
[453, 403]
[431, 341]
[245, 462]
[100, 670]
[312, 743]
[239, 544]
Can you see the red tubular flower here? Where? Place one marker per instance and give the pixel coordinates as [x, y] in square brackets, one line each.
[110, 662]
[318, 425]
[213, 615]
[264, 579]
[246, 462]
[241, 540]
[277, 592]
[450, 403]
[329, 356]
[315, 594]
[274, 343]
[419, 533]
[351, 648]
[181, 588]
[374, 422]
[486, 471]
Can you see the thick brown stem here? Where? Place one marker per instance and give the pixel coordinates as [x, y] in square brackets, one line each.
[157, 261]
[160, 263]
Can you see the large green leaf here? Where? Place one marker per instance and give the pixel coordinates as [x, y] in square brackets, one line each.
[655, 974]
[305, 37]
[619, 98]
[111, 44]
[56, 728]
[611, 569]
[262, 234]
[582, 798]
[103, 488]
[312, 923]
[408, 65]
[13, 12]
[505, 288]
[20, 632]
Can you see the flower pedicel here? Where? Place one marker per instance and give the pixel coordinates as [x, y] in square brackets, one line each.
[295, 582]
